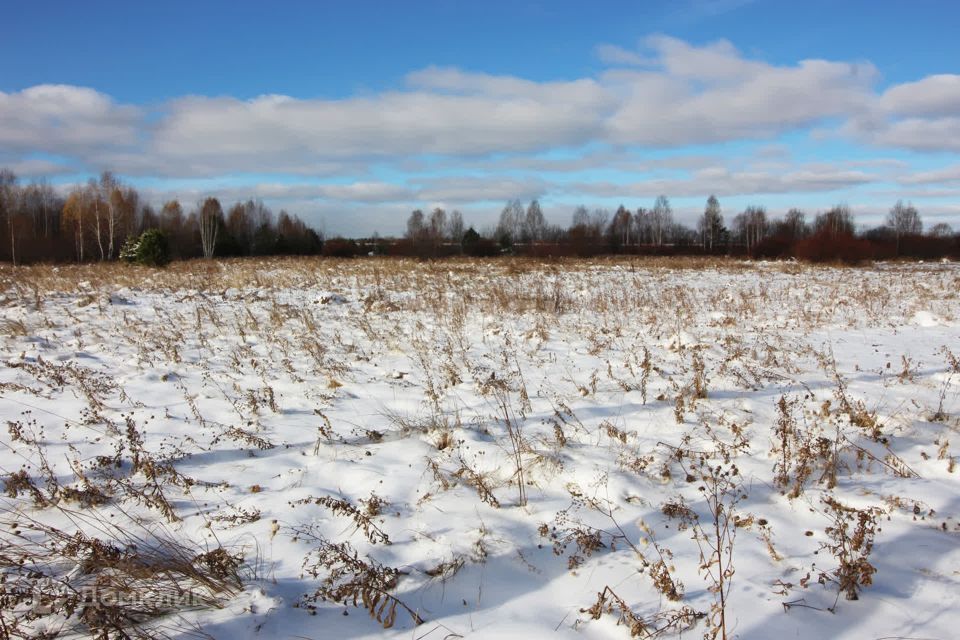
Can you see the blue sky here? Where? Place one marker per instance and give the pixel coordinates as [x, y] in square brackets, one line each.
[351, 114]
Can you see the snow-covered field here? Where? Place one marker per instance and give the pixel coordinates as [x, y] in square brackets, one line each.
[487, 448]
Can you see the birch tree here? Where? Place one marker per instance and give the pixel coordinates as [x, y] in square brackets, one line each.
[209, 221]
[711, 224]
[661, 218]
[9, 196]
[74, 212]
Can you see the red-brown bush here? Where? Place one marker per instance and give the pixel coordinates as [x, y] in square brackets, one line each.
[825, 247]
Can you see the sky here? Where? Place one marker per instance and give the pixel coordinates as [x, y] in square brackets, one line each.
[352, 114]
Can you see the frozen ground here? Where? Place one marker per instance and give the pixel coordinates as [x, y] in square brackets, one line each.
[500, 442]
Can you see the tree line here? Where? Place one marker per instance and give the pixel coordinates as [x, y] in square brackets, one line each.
[827, 235]
[94, 221]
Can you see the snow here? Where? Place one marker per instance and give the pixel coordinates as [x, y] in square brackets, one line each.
[272, 384]
[925, 319]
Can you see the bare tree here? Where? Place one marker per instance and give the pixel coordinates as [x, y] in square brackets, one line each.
[620, 228]
[172, 223]
[534, 223]
[904, 220]
[941, 230]
[97, 216]
[415, 226]
[510, 226]
[838, 221]
[126, 205]
[711, 224]
[40, 206]
[171, 217]
[661, 219]
[455, 227]
[795, 222]
[239, 225]
[111, 206]
[209, 221]
[641, 225]
[438, 227]
[74, 211]
[148, 218]
[581, 217]
[9, 205]
[751, 226]
[599, 221]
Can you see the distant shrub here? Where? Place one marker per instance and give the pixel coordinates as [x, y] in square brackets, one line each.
[926, 247]
[340, 248]
[778, 246]
[883, 250]
[150, 248]
[476, 245]
[827, 247]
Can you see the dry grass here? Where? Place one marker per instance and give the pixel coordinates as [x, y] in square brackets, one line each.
[104, 577]
[502, 420]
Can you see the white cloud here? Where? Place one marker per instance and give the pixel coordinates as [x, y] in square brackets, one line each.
[935, 176]
[36, 168]
[476, 189]
[63, 118]
[490, 115]
[716, 63]
[713, 94]
[917, 134]
[453, 191]
[722, 181]
[369, 192]
[921, 116]
[617, 55]
[937, 95]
